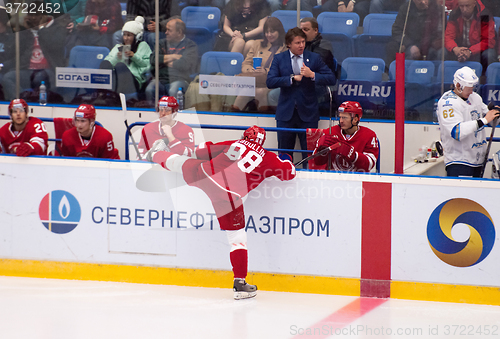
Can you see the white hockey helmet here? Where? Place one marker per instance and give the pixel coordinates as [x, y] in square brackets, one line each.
[466, 77]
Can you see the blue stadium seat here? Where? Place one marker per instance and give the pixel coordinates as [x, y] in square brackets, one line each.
[378, 24]
[207, 17]
[342, 44]
[229, 63]
[289, 18]
[201, 24]
[450, 67]
[493, 74]
[371, 46]
[416, 71]
[338, 22]
[87, 56]
[124, 10]
[367, 69]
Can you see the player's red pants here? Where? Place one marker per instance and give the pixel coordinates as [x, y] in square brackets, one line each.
[228, 206]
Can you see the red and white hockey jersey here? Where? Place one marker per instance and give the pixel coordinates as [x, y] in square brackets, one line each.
[100, 144]
[364, 141]
[34, 133]
[238, 166]
[182, 145]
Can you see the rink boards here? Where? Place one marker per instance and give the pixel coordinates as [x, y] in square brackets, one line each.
[334, 233]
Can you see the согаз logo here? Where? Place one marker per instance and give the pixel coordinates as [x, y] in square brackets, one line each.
[59, 212]
[467, 212]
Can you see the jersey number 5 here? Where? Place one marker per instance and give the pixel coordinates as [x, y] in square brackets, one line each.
[246, 164]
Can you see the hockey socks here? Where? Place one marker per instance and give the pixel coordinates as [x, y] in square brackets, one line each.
[239, 261]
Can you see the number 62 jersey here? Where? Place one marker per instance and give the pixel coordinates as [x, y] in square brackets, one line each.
[240, 166]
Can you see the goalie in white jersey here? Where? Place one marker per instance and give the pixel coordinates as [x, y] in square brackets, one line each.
[462, 116]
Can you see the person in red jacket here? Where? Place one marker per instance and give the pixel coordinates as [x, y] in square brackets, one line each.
[357, 146]
[227, 171]
[180, 136]
[470, 34]
[24, 135]
[86, 139]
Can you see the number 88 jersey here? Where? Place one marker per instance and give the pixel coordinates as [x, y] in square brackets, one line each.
[239, 166]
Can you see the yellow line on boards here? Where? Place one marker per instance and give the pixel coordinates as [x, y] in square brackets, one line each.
[177, 276]
[485, 295]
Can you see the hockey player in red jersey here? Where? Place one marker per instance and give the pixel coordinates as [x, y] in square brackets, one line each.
[226, 172]
[24, 135]
[87, 139]
[358, 150]
[180, 136]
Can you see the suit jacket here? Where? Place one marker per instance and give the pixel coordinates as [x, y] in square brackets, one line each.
[300, 94]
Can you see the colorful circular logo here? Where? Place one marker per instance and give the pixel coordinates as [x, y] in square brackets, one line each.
[204, 84]
[59, 212]
[461, 253]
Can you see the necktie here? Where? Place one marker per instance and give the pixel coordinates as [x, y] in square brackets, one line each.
[295, 65]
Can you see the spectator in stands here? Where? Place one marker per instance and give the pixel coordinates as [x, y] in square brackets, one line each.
[41, 51]
[130, 60]
[383, 6]
[243, 21]
[24, 135]
[103, 18]
[361, 7]
[423, 32]
[73, 9]
[146, 9]
[87, 139]
[298, 104]
[353, 147]
[180, 136]
[272, 44]
[470, 34]
[291, 5]
[178, 59]
[316, 44]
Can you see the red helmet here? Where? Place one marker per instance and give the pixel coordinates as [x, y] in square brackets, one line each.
[168, 102]
[352, 107]
[85, 111]
[18, 103]
[256, 134]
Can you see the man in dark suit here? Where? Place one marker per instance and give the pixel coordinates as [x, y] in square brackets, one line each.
[296, 72]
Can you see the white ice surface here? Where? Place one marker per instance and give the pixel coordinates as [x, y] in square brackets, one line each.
[52, 309]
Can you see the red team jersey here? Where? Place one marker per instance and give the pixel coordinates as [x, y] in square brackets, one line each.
[34, 133]
[227, 171]
[183, 143]
[238, 166]
[100, 144]
[364, 141]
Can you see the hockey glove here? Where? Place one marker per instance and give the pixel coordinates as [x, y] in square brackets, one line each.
[327, 140]
[158, 146]
[25, 150]
[347, 151]
[285, 156]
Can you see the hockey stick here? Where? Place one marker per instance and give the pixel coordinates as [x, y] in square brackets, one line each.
[124, 109]
[322, 152]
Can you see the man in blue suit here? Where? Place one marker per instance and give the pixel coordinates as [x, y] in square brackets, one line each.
[296, 72]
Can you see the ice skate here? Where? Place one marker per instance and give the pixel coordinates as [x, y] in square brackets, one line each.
[158, 145]
[242, 290]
